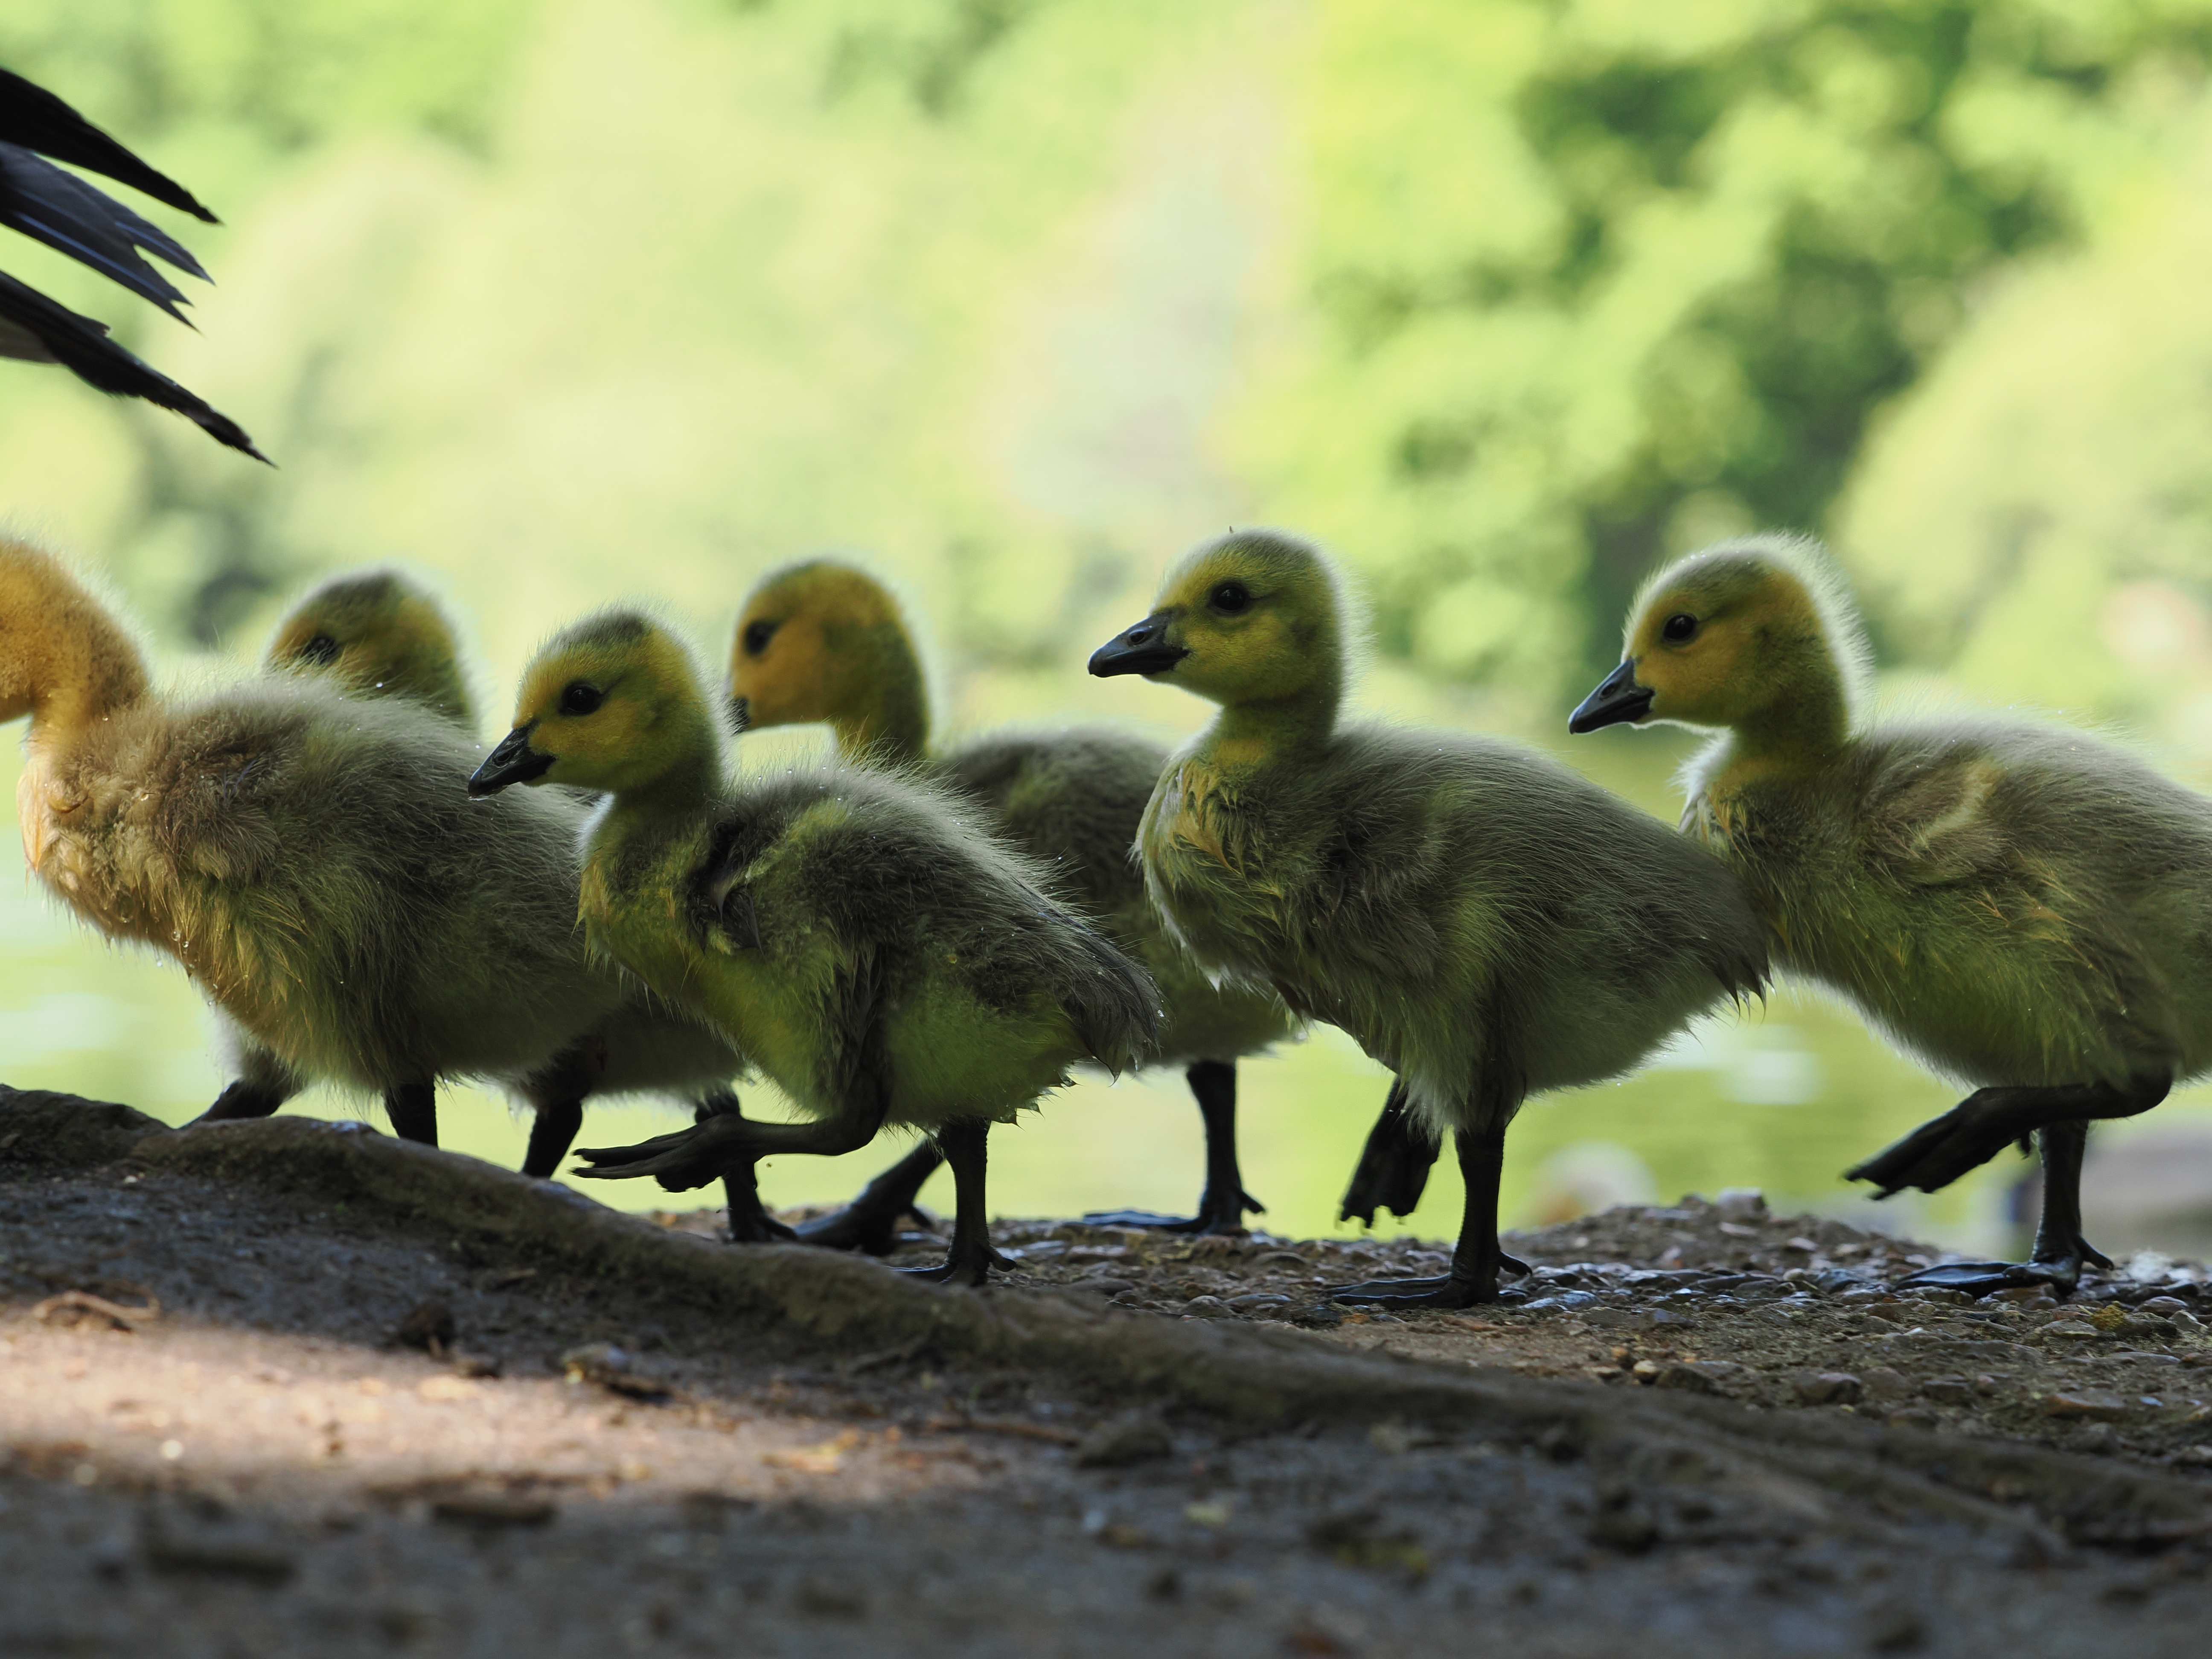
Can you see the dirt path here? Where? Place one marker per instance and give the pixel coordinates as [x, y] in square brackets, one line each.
[607, 1437]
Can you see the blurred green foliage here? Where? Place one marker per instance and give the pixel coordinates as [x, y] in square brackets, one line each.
[1504, 297]
[1602, 280]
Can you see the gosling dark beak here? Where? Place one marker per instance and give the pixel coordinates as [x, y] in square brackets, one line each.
[740, 714]
[514, 762]
[1618, 698]
[1143, 649]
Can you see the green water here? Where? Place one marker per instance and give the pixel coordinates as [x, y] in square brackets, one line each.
[1782, 1098]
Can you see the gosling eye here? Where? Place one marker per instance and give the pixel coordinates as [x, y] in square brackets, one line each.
[1229, 598]
[756, 636]
[581, 697]
[1679, 628]
[322, 649]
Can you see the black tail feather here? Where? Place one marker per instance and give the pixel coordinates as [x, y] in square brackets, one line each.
[33, 118]
[81, 345]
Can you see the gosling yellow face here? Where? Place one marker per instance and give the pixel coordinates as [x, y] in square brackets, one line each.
[807, 640]
[1713, 640]
[376, 633]
[612, 703]
[1254, 617]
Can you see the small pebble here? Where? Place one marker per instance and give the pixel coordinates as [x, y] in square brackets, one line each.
[1827, 1388]
[2086, 1403]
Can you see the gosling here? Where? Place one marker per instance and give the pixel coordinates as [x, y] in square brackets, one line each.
[379, 634]
[822, 641]
[1483, 921]
[306, 857]
[879, 956]
[2024, 909]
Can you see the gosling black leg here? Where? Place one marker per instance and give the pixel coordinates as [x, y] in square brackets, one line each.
[1394, 1166]
[1476, 1259]
[1222, 1206]
[553, 1130]
[971, 1258]
[870, 1222]
[1978, 1129]
[2060, 1251]
[242, 1099]
[413, 1109]
[750, 1221]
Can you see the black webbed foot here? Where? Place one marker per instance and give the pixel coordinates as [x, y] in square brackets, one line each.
[872, 1230]
[1514, 1265]
[872, 1221]
[1394, 1166]
[2060, 1274]
[679, 1161]
[240, 1100]
[962, 1266]
[751, 1223]
[1212, 1219]
[1936, 1153]
[1449, 1290]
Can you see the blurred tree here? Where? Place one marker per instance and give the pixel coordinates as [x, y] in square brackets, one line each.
[1598, 279]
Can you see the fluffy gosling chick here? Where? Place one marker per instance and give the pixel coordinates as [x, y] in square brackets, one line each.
[2022, 907]
[378, 635]
[1483, 921]
[306, 857]
[381, 634]
[878, 955]
[825, 642]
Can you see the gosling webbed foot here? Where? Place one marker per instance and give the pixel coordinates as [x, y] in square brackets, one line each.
[1449, 1290]
[872, 1221]
[961, 1266]
[1935, 1154]
[680, 1160]
[1394, 1166]
[1212, 1219]
[869, 1230]
[240, 1100]
[2061, 1274]
[751, 1223]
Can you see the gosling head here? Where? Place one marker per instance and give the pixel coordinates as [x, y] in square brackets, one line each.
[379, 635]
[824, 640]
[1254, 617]
[612, 703]
[1746, 633]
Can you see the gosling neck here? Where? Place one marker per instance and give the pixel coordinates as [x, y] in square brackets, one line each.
[1802, 732]
[883, 714]
[92, 672]
[1249, 736]
[682, 787]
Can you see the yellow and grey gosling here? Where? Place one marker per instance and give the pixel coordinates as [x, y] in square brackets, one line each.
[871, 948]
[381, 634]
[2023, 908]
[378, 635]
[308, 858]
[1484, 922]
[823, 641]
